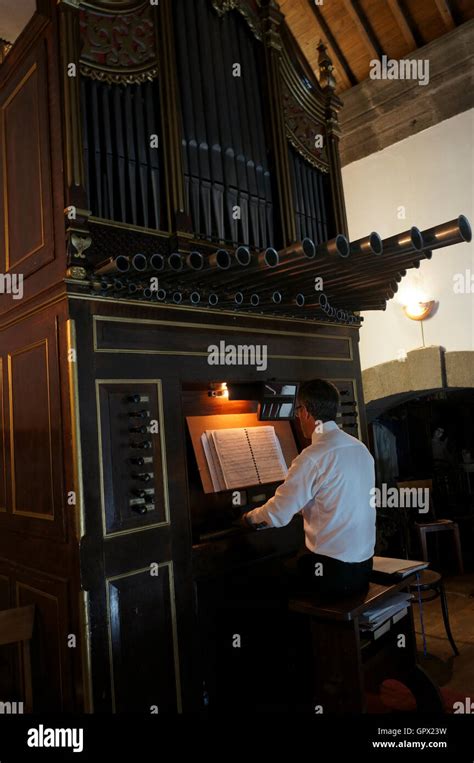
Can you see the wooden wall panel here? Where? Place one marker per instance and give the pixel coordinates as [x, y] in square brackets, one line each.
[26, 199]
[187, 338]
[8, 653]
[32, 201]
[143, 645]
[33, 434]
[4, 591]
[3, 475]
[50, 655]
[31, 431]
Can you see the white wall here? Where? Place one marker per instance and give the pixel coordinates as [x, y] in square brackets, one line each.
[431, 174]
[14, 16]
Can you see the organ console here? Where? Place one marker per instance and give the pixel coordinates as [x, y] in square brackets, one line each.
[184, 188]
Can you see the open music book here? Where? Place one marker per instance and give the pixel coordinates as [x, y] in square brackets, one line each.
[243, 457]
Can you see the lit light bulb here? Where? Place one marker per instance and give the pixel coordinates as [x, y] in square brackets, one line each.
[218, 390]
[418, 311]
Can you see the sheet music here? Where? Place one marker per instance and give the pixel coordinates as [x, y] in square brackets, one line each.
[215, 469]
[243, 457]
[235, 457]
[268, 454]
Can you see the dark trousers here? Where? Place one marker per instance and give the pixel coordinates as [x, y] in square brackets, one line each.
[328, 577]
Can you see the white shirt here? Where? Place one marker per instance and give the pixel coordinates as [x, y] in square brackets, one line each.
[330, 483]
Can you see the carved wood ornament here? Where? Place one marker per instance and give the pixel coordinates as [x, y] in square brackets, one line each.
[119, 46]
[302, 131]
[249, 10]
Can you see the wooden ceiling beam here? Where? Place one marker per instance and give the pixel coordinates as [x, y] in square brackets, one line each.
[446, 13]
[337, 55]
[402, 21]
[363, 27]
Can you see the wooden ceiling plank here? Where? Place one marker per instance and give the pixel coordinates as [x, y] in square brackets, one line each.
[365, 30]
[335, 51]
[446, 13]
[402, 21]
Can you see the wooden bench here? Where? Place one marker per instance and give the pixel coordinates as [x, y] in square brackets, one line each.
[346, 664]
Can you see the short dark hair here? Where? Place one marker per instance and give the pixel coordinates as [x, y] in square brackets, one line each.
[320, 398]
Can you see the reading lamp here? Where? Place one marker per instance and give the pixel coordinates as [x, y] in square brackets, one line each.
[218, 390]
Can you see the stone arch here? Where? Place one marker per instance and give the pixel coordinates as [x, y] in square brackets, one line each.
[422, 372]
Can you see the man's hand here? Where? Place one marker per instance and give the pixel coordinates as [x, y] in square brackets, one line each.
[245, 522]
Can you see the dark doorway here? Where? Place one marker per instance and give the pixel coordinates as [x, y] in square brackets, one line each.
[429, 436]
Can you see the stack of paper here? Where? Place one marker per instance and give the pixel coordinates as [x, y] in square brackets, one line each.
[374, 617]
[397, 568]
[243, 457]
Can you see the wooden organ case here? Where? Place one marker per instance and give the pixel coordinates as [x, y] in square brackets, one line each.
[185, 142]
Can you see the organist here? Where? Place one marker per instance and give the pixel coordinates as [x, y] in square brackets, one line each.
[330, 484]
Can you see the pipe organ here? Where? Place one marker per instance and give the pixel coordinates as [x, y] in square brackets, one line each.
[122, 169]
[171, 184]
[224, 126]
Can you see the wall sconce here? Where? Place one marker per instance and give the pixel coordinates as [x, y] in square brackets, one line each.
[419, 311]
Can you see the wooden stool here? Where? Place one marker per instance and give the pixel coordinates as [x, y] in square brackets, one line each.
[346, 664]
[440, 525]
[16, 625]
[429, 580]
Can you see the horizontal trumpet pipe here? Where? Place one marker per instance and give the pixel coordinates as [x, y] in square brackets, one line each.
[295, 258]
[403, 243]
[157, 262]
[139, 263]
[198, 269]
[119, 264]
[371, 244]
[264, 261]
[453, 232]
[301, 267]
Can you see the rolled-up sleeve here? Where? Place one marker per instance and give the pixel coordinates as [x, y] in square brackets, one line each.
[291, 497]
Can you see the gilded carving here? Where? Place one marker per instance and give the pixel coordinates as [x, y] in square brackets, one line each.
[119, 47]
[303, 132]
[80, 242]
[76, 273]
[245, 8]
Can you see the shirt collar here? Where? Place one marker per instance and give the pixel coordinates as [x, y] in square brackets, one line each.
[327, 426]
